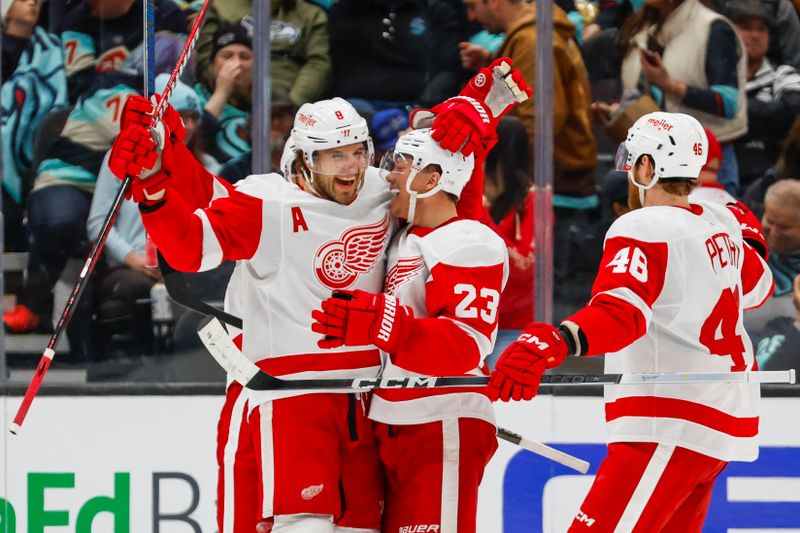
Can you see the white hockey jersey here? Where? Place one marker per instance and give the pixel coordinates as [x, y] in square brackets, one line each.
[668, 297]
[295, 248]
[452, 277]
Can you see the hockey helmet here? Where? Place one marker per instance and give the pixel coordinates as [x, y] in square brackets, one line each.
[329, 124]
[287, 159]
[415, 151]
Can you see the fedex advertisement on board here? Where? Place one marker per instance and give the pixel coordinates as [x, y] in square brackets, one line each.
[147, 464]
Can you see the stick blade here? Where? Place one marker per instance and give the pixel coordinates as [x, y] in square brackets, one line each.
[222, 348]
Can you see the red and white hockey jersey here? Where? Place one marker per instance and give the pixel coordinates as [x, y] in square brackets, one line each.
[452, 277]
[295, 249]
[668, 297]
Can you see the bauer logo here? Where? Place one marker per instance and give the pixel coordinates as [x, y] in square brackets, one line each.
[542, 496]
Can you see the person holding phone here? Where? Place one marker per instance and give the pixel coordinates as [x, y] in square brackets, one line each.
[689, 59]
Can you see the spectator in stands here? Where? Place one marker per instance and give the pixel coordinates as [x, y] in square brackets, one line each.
[612, 14]
[34, 83]
[773, 92]
[128, 278]
[575, 151]
[59, 202]
[781, 223]
[19, 19]
[281, 121]
[392, 54]
[508, 210]
[99, 34]
[300, 63]
[660, 49]
[778, 344]
[787, 167]
[784, 42]
[226, 99]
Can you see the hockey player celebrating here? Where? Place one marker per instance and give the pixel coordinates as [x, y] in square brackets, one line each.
[669, 294]
[437, 316]
[296, 244]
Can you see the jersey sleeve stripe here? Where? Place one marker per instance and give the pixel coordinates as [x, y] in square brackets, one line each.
[628, 296]
[655, 407]
[484, 343]
[219, 190]
[212, 250]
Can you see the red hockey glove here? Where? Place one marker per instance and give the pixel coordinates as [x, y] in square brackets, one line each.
[751, 228]
[358, 318]
[139, 110]
[519, 370]
[499, 87]
[135, 153]
[468, 121]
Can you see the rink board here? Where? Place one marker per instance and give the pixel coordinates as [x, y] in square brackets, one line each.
[146, 464]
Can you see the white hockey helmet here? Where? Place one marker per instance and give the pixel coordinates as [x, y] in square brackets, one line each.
[419, 150]
[676, 142]
[287, 159]
[329, 124]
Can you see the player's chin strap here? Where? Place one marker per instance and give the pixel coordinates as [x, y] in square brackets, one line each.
[414, 195]
[642, 188]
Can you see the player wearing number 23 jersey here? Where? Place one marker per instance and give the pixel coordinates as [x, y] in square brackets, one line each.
[669, 295]
[437, 316]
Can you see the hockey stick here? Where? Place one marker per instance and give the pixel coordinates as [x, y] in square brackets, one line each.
[149, 57]
[544, 450]
[99, 243]
[240, 368]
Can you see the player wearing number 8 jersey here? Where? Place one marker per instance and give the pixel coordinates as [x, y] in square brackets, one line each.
[316, 468]
[437, 316]
[669, 296]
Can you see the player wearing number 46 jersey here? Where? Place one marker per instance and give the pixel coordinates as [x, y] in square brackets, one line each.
[437, 316]
[669, 295]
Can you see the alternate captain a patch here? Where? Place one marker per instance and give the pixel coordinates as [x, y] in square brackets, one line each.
[338, 263]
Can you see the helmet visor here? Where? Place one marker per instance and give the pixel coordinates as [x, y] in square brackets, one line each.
[395, 165]
[347, 160]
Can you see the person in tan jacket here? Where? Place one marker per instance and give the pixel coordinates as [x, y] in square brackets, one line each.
[575, 151]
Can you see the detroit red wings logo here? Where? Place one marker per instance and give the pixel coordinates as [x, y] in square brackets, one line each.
[404, 270]
[338, 263]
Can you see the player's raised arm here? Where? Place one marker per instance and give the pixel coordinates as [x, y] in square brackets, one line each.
[190, 239]
[468, 122]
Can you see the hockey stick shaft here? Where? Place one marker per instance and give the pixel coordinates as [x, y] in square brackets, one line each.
[69, 309]
[219, 344]
[222, 348]
[149, 56]
[99, 243]
[545, 451]
[182, 61]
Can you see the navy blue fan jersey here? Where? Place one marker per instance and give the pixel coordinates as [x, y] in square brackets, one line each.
[92, 46]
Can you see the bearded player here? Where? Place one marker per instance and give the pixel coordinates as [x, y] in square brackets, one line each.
[314, 451]
[669, 296]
